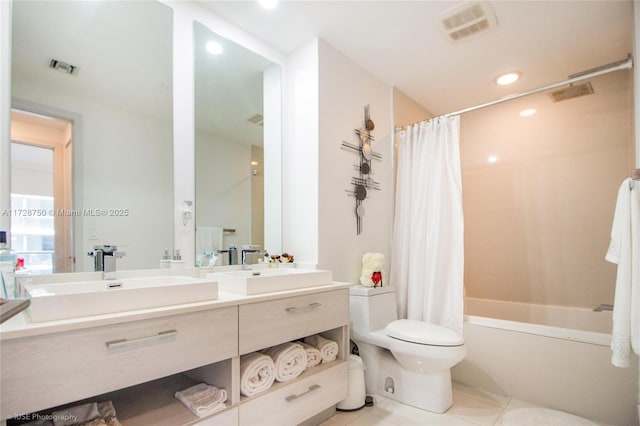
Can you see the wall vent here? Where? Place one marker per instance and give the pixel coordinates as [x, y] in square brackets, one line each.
[63, 67]
[257, 119]
[467, 19]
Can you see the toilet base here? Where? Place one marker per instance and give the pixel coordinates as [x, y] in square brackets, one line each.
[385, 377]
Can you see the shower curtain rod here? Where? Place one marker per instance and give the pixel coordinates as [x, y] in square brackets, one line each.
[624, 64]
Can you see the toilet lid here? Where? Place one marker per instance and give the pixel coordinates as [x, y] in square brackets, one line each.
[423, 333]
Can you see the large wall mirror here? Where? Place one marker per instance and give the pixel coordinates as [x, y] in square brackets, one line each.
[92, 138]
[237, 148]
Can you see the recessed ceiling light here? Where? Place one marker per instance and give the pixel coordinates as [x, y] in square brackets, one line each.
[492, 159]
[214, 47]
[527, 112]
[508, 78]
[268, 4]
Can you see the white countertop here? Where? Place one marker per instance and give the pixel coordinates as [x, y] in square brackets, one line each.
[21, 326]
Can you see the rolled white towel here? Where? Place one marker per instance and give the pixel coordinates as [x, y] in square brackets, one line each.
[290, 360]
[257, 373]
[328, 348]
[203, 399]
[313, 355]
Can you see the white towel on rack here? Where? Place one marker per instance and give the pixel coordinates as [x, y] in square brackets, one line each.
[327, 347]
[208, 239]
[290, 360]
[313, 355]
[257, 373]
[624, 250]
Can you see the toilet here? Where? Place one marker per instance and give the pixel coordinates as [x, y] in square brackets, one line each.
[406, 360]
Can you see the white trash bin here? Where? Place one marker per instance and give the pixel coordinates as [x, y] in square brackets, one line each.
[356, 394]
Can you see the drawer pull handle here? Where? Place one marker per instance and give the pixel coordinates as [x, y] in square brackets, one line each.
[125, 342]
[311, 389]
[310, 306]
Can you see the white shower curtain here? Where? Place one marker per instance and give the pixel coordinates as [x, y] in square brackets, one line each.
[427, 257]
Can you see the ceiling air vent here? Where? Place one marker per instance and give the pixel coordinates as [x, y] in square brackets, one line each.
[257, 119]
[63, 67]
[467, 19]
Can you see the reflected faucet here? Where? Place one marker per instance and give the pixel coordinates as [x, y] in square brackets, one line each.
[104, 260]
[250, 256]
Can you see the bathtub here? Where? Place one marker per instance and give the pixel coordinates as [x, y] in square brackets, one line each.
[552, 356]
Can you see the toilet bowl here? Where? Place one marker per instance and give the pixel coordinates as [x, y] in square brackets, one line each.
[406, 360]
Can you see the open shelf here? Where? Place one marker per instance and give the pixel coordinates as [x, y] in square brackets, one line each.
[279, 385]
[154, 402]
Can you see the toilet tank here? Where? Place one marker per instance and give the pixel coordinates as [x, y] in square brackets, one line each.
[371, 308]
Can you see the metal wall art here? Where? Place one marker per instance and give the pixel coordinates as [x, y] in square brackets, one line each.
[363, 182]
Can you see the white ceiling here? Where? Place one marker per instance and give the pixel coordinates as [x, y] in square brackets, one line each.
[401, 44]
[123, 48]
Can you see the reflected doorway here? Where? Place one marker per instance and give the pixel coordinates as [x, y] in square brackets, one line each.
[41, 172]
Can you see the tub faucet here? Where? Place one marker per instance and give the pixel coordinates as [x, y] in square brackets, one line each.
[104, 260]
[603, 307]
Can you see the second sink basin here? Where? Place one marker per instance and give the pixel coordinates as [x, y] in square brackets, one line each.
[270, 280]
[77, 299]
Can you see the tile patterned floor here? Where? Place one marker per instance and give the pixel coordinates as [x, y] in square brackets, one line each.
[471, 407]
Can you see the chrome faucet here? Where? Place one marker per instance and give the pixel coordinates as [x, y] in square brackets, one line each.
[104, 260]
[249, 256]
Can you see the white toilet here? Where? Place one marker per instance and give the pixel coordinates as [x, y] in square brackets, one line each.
[406, 360]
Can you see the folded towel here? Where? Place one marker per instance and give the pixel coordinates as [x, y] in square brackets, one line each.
[313, 355]
[328, 348]
[78, 414]
[290, 360]
[203, 399]
[257, 373]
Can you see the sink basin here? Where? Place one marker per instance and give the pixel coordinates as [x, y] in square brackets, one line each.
[270, 280]
[70, 300]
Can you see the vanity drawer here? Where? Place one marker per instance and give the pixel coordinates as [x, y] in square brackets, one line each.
[294, 403]
[44, 371]
[225, 418]
[269, 323]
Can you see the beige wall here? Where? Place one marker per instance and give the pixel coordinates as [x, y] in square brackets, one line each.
[406, 110]
[537, 221]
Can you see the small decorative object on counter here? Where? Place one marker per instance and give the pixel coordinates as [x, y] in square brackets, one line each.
[287, 258]
[372, 269]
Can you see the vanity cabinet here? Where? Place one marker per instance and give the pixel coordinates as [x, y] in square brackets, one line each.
[53, 369]
[269, 323]
[140, 364]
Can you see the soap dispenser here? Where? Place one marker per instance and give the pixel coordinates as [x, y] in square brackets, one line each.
[177, 264]
[165, 262]
[233, 254]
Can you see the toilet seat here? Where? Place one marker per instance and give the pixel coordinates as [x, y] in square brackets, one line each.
[423, 333]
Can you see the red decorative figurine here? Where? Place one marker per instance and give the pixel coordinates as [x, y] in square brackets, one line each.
[376, 277]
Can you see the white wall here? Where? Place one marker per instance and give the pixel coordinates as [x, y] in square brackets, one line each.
[300, 156]
[328, 93]
[345, 88]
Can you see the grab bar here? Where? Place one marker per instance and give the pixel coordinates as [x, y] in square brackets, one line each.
[603, 307]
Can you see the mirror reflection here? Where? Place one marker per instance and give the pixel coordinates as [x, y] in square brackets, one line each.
[237, 110]
[91, 132]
